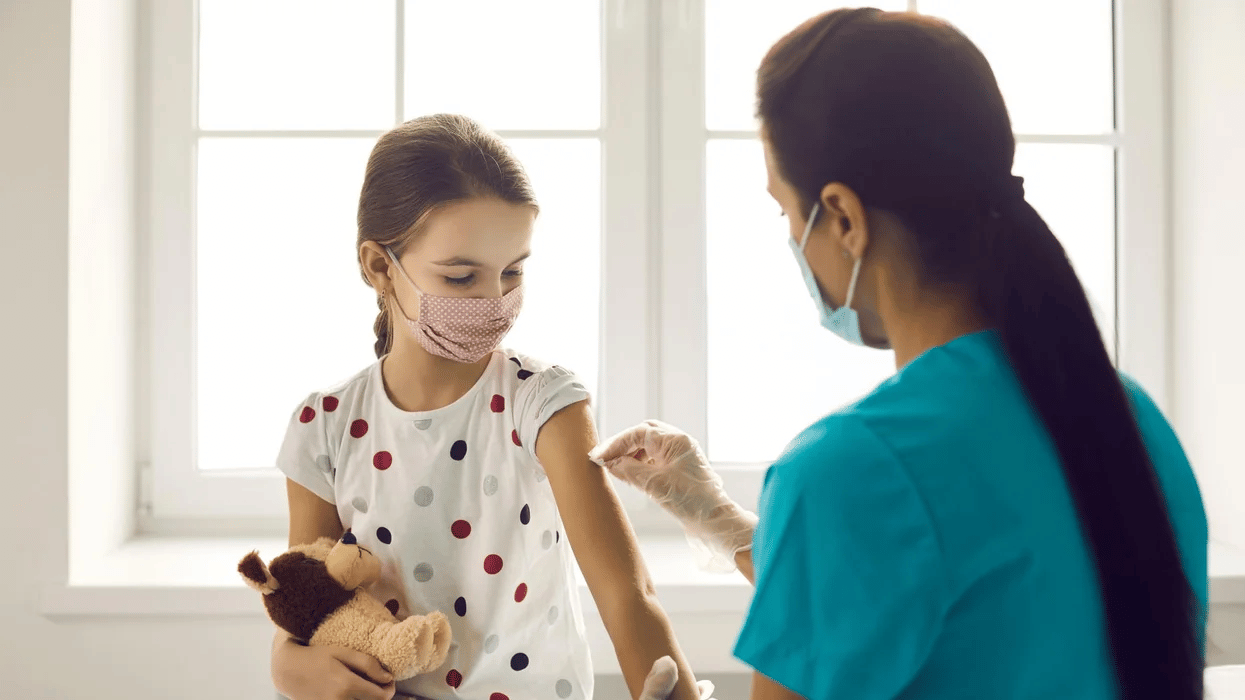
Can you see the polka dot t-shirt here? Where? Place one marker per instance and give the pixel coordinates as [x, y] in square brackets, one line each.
[458, 509]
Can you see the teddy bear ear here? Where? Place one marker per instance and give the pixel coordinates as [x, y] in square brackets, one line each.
[256, 574]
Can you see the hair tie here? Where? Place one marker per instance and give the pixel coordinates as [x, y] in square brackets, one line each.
[1010, 194]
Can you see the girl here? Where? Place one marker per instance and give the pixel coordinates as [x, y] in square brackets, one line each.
[462, 466]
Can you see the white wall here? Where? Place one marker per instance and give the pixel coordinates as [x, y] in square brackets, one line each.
[1208, 205]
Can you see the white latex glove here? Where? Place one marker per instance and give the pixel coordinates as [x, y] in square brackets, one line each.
[668, 465]
[662, 679]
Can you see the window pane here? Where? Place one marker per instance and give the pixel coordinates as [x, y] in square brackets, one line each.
[772, 369]
[1073, 187]
[296, 64]
[737, 37]
[1052, 58]
[281, 309]
[561, 307]
[512, 65]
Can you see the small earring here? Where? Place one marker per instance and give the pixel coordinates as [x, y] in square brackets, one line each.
[381, 301]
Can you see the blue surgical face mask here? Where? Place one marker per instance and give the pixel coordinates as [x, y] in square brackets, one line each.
[843, 321]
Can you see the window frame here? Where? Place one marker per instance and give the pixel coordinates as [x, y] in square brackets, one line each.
[653, 303]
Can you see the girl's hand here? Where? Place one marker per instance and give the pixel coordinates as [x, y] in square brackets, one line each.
[668, 465]
[328, 673]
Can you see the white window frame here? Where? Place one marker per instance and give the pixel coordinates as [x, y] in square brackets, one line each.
[653, 303]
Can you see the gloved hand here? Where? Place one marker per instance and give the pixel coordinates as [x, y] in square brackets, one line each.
[662, 679]
[668, 465]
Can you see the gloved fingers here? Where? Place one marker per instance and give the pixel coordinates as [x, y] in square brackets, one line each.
[624, 444]
[661, 680]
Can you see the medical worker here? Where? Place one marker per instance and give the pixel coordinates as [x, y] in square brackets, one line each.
[1006, 516]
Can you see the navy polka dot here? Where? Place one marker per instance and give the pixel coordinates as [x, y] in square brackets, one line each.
[518, 662]
[524, 374]
[516, 361]
[525, 515]
[460, 607]
[383, 534]
[459, 450]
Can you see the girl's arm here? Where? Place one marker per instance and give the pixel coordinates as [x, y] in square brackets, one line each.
[605, 546]
[330, 673]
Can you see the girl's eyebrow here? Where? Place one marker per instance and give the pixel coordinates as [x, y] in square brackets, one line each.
[467, 262]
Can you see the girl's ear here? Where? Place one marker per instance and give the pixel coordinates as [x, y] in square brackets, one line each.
[256, 574]
[375, 264]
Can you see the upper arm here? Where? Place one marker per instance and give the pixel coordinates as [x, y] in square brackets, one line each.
[596, 524]
[311, 517]
[850, 583]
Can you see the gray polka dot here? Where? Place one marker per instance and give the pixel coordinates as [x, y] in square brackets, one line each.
[360, 504]
[423, 572]
[423, 424]
[546, 539]
[490, 485]
[553, 614]
[563, 688]
[490, 644]
[423, 496]
[540, 475]
[324, 463]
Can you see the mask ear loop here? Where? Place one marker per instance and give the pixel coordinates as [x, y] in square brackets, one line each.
[808, 228]
[402, 271]
[851, 286]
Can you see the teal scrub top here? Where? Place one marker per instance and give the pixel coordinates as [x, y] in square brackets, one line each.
[922, 543]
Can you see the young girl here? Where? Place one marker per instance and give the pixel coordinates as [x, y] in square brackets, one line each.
[462, 466]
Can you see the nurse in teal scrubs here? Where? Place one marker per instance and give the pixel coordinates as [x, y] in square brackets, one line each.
[1005, 517]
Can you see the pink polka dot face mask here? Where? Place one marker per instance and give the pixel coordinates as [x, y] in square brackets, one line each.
[458, 328]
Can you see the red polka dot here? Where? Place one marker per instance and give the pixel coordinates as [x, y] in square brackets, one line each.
[499, 403]
[307, 414]
[453, 678]
[520, 593]
[330, 404]
[392, 605]
[498, 696]
[383, 460]
[492, 564]
[514, 435]
[460, 529]
[358, 428]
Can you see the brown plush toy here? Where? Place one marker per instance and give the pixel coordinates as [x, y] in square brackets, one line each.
[315, 593]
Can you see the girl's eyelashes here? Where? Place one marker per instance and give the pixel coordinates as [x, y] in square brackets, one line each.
[470, 279]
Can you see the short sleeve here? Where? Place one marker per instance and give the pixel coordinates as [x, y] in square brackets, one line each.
[850, 583]
[540, 396]
[305, 457]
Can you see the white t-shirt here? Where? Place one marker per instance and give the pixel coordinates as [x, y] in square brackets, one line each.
[458, 509]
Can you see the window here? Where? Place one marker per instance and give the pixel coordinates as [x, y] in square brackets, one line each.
[657, 247]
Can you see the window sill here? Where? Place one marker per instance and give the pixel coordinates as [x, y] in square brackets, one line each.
[197, 577]
[178, 577]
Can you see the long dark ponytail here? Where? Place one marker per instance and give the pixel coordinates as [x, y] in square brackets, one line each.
[906, 111]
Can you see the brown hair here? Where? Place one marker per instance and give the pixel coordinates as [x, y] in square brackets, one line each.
[421, 166]
[905, 111]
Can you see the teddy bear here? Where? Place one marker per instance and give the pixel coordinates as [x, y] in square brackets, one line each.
[315, 593]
